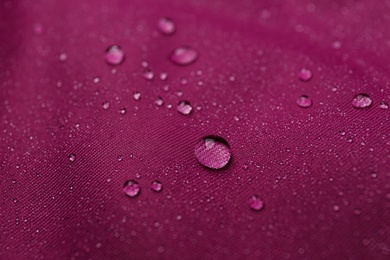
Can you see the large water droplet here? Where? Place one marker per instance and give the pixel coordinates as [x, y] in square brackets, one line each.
[361, 101]
[156, 186]
[213, 152]
[305, 74]
[166, 26]
[114, 55]
[184, 56]
[255, 203]
[184, 107]
[304, 101]
[131, 188]
[383, 105]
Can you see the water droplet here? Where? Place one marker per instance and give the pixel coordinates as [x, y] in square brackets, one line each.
[184, 107]
[63, 56]
[361, 101]
[106, 105]
[245, 166]
[156, 186]
[165, 88]
[183, 81]
[166, 26]
[96, 80]
[349, 139]
[72, 157]
[131, 188]
[148, 74]
[122, 111]
[179, 93]
[184, 56]
[305, 74]
[213, 152]
[336, 208]
[255, 203]
[114, 55]
[383, 105]
[163, 76]
[120, 158]
[342, 132]
[136, 95]
[304, 101]
[159, 101]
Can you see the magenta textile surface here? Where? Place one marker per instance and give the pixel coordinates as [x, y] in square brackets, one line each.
[323, 172]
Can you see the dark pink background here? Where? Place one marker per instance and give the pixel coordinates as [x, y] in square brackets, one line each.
[325, 198]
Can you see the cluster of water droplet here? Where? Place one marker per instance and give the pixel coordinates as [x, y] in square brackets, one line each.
[212, 152]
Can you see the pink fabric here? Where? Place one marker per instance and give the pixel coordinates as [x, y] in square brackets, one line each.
[322, 171]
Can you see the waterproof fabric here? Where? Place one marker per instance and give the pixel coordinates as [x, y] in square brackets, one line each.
[68, 146]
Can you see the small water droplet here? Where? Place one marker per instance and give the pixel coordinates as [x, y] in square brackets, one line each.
[184, 107]
[179, 93]
[184, 56]
[159, 101]
[136, 95]
[163, 76]
[114, 55]
[166, 88]
[361, 101]
[122, 111]
[156, 186]
[255, 203]
[245, 166]
[120, 158]
[349, 139]
[148, 74]
[106, 105]
[183, 81]
[166, 26]
[342, 132]
[304, 101]
[72, 157]
[336, 208]
[131, 188]
[63, 56]
[213, 152]
[305, 74]
[383, 105]
[96, 80]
